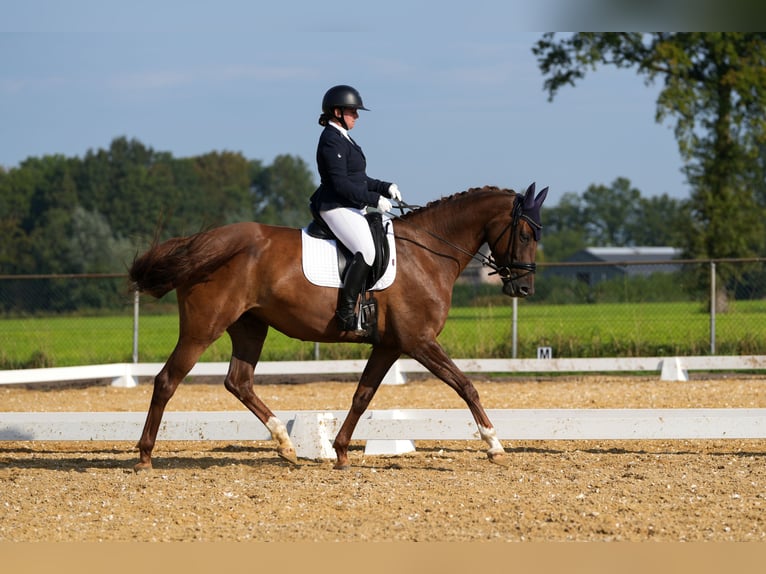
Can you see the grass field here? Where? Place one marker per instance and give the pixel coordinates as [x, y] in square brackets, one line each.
[602, 330]
[608, 330]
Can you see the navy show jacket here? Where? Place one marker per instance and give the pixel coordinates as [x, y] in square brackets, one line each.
[342, 171]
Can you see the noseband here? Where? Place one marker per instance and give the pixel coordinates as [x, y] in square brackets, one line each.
[506, 271]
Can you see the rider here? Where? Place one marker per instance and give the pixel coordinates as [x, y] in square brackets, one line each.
[345, 191]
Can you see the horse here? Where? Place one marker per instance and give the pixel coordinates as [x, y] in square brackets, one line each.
[246, 277]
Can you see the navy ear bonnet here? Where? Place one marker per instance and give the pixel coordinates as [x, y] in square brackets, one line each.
[528, 206]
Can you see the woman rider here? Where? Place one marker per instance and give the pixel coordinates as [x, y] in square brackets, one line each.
[345, 191]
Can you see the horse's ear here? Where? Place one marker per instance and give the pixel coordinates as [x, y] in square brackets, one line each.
[529, 196]
[541, 197]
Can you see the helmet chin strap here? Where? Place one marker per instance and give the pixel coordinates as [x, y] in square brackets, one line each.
[341, 120]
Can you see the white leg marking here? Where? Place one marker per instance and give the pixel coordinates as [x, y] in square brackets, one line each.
[489, 436]
[278, 431]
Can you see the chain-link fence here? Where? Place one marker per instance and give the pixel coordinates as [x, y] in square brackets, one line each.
[622, 309]
[662, 308]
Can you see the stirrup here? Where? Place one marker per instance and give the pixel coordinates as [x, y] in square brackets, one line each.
[366, 320]
[346, 323]
[368, 314]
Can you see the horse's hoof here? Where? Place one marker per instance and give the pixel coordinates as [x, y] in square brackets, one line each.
[498, 458]
[288, 455]
[142, 467]
[341, 466]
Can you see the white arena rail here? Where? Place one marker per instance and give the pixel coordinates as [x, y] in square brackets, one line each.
[670, 368]
[393, 431]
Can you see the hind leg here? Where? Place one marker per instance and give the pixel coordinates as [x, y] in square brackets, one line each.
[247, 337]
[202, 319]
[178, 365]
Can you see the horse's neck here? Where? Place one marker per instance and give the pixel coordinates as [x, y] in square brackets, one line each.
[457, 222]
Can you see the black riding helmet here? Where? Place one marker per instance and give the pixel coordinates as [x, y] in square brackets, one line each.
[340, 97]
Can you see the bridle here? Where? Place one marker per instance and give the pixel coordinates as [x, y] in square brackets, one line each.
[504, 271]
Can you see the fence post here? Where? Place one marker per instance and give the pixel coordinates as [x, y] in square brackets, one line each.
[135, 326]
[712, 307]
[515, 328]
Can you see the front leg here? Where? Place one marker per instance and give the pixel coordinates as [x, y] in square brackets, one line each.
[432, 356]
[380, 361]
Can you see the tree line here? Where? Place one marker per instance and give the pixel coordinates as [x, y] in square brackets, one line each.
[91, 214]
[61, 215]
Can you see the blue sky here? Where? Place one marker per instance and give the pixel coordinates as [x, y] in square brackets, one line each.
[455, 93]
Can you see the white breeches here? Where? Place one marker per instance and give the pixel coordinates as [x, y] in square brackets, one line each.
[351, 228]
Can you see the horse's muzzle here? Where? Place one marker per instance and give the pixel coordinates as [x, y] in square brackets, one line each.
[515, 289]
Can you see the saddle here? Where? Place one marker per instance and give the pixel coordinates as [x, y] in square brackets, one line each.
[319, 229]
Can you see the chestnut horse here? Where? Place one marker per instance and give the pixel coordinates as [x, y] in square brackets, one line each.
[246, 277]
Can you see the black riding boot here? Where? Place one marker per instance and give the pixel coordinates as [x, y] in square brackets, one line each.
[352, 286]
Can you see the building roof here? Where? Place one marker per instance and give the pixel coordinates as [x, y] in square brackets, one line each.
[605, 261]
[628, 254]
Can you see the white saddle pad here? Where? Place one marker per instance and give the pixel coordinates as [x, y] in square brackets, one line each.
[320, 261]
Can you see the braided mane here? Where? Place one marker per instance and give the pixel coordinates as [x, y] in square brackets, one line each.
[460, 195]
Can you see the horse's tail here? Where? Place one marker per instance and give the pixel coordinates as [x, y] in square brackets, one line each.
[180, 261]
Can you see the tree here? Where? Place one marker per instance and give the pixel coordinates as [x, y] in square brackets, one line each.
[37, 201]
[613, 213]
[281, 192]
[224, 180]
[661, 221]
[16, 189]
[715, 88]
[92, 247]
[117, 183]
[564, 233]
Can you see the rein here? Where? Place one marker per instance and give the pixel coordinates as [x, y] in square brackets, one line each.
[504, 271]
